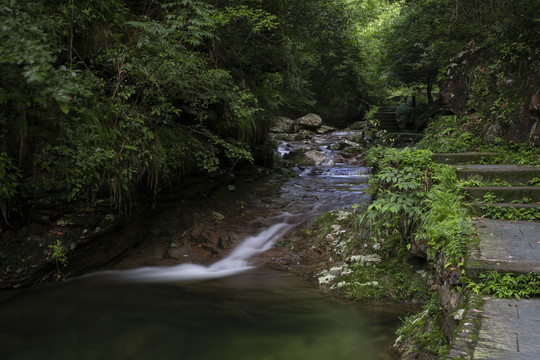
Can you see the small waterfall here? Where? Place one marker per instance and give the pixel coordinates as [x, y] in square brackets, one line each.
[234, 263]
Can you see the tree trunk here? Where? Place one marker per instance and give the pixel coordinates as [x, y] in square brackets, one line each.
[429, 88]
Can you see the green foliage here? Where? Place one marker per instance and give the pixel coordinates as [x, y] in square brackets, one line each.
[390, 280]
[422, 333]
[449, 134]
[59, 257]
[535, 181]
[379, 157]
[110, 98]
[135, 112]
[398, 206]
[417, 204]
[398, 185]
[445, 135]
[472, 182]
[411, 47]
[374, 21]
[493, 211]
[374, 135]
[506, 285]
[445, 226]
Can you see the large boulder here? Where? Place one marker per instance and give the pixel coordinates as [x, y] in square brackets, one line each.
[306, 156]
[283, 124]
[309, 122]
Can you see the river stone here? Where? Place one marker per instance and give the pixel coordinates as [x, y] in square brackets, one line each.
[309, 122]
[338, 285]
[336, 270]
[314, 157]
[359, 125]
[283, 124]
[369, 283]
[302, 135]
[326, 279]
[365, 259]
[325, 129]
[306, 156]
[341, 145]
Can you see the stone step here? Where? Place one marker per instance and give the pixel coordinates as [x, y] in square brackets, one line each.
[504, 193]
[392, 129]
[389, 124]
[409, 135]
[385, 116]
[388, 121]
[512, 174]
[505, 246]
[464, 158]
[387, 109]
[478, 208]
[508, 330]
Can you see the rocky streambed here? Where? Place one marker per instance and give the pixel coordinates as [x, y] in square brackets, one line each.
[318, 170]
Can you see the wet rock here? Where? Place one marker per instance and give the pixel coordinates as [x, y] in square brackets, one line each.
[314, 157]
[306, 156]
[364, 259]
[325, 129]
[302, 135]
[326, 279]
[336, 270]
[369, 283]
[493, 132]
[338, 285]
[359, 125]
[341, 145]
[283, 124]
[309, 122]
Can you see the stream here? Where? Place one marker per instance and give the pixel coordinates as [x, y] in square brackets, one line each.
[229, 309]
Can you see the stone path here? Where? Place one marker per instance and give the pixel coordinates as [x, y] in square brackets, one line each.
[508, 246]
[504, 329]
[509, 330]
[388, 119]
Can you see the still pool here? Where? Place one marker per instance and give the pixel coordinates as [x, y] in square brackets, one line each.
[257, 315]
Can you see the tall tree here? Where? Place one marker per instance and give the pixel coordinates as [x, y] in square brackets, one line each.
[412, 49]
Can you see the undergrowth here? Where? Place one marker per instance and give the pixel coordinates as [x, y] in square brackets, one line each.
[506, 285]
[448, 134]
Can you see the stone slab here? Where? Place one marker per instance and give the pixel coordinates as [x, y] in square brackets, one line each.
[504, 193]
[509, 329]
[463, 158]
[508, 246]
[513, 174]
[479, 207]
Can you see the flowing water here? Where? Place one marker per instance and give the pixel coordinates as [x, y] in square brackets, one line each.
[227, 310]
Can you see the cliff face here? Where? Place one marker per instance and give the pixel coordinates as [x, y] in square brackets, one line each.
[499, 93]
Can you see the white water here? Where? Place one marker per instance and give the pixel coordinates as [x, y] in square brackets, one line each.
[238, 260]
[234, 263]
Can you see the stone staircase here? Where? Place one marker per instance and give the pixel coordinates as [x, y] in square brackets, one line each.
[516, 192]
[388, 119]
[499, 328]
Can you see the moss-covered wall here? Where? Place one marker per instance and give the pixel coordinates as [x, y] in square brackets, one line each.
[498, 90]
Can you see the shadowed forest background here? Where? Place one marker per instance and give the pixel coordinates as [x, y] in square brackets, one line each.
[115, 99]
